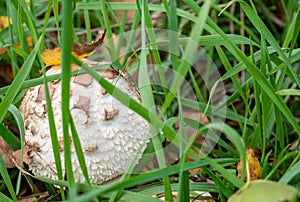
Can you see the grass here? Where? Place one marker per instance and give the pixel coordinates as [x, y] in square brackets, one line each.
[244, 78]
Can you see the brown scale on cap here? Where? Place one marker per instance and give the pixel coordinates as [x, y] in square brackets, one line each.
[83, 79]
[110, 114]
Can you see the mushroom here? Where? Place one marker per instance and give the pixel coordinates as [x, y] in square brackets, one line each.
[111, 134]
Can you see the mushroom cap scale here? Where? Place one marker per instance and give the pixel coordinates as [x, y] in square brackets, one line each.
[110, 133]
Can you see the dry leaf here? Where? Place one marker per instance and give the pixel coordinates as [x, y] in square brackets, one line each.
[253, 165]
[53, 57]
[12, 158]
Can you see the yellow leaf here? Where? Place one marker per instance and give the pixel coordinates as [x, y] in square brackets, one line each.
[253, 165]
[52, 57]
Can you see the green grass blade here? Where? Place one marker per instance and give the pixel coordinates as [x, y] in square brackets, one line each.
[173, 34]
[147, 95]
[188, 54]
[288, 92]
[109, 35]
[5, 198]
[222, 187]
[51, 120]
[184, 191]
[66, 49]
[56, 16]
[87, 24]
[9, 138]
[281, 160]
[241, 148]
[291, 174]
[6, 179]
[260, 26]
[14, 88]
[259, 77]
[18, 118]
[79, 152]
[147, 177]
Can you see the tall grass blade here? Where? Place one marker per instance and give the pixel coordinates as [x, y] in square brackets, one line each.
[15, 86]
[67, 40]
[6, 179]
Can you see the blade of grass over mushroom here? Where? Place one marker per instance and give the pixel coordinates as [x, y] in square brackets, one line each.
[79, 152]
[66, 50]
[130, 103]
[53, 132]
[51, 120]
[14, 88]
[6, 179]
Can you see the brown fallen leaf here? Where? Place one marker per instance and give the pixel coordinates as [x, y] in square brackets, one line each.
[253, 165]
[53, 57]
[12, 158]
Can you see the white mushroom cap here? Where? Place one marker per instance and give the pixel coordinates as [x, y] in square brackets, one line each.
[110, 133]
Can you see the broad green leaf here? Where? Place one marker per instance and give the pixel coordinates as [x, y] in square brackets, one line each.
[267, 191]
